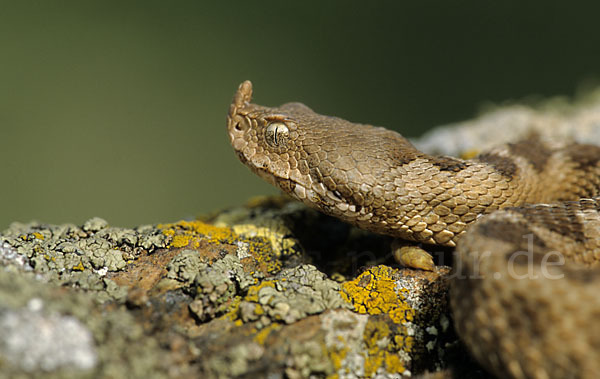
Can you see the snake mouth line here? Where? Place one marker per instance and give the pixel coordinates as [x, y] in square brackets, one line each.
[311, 197]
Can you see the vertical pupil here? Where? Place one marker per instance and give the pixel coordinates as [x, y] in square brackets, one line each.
[276, 134]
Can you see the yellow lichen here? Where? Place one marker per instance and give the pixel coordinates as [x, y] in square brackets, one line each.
[262, 335]
[372, 363]
[266, 257]
[375, 331]
[37, 235]
[79, 267]
[393, 363]
[190, 233]
[337, 356]
[374, 292]
[381, 349]
[258, 310]
[252, 295]
[277, 234]
[232, 313]
[167, 232]
[408, 343]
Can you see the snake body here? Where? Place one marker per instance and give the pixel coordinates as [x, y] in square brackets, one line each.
[525, 295]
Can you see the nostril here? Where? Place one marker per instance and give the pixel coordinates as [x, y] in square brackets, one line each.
[237, 123]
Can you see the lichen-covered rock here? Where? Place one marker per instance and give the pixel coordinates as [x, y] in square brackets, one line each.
[78, 256]
[251, 292]
[410, 308]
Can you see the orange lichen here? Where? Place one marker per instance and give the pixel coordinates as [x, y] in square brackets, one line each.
[394, 364]
[266, 258]
[34, 235]
[191, 233]
[277, 234]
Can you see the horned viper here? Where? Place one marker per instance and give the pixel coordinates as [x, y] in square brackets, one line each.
[525, 218]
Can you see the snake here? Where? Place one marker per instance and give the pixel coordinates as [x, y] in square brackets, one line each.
[524, 218]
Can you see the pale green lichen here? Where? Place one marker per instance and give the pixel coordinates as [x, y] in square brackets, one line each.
[291, 296]
[81, 256]
[185, 266]
[214, 286]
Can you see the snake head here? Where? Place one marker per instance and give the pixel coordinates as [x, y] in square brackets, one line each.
[328, 163]
[267, 139]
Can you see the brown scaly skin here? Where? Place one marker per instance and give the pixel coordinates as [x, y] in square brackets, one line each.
[533, 326]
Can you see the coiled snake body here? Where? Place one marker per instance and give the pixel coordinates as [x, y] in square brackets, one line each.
[526, 290]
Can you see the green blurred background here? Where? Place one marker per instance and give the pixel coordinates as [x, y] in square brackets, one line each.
[117, 108]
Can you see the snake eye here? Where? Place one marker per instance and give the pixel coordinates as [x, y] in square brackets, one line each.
[276, 134]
